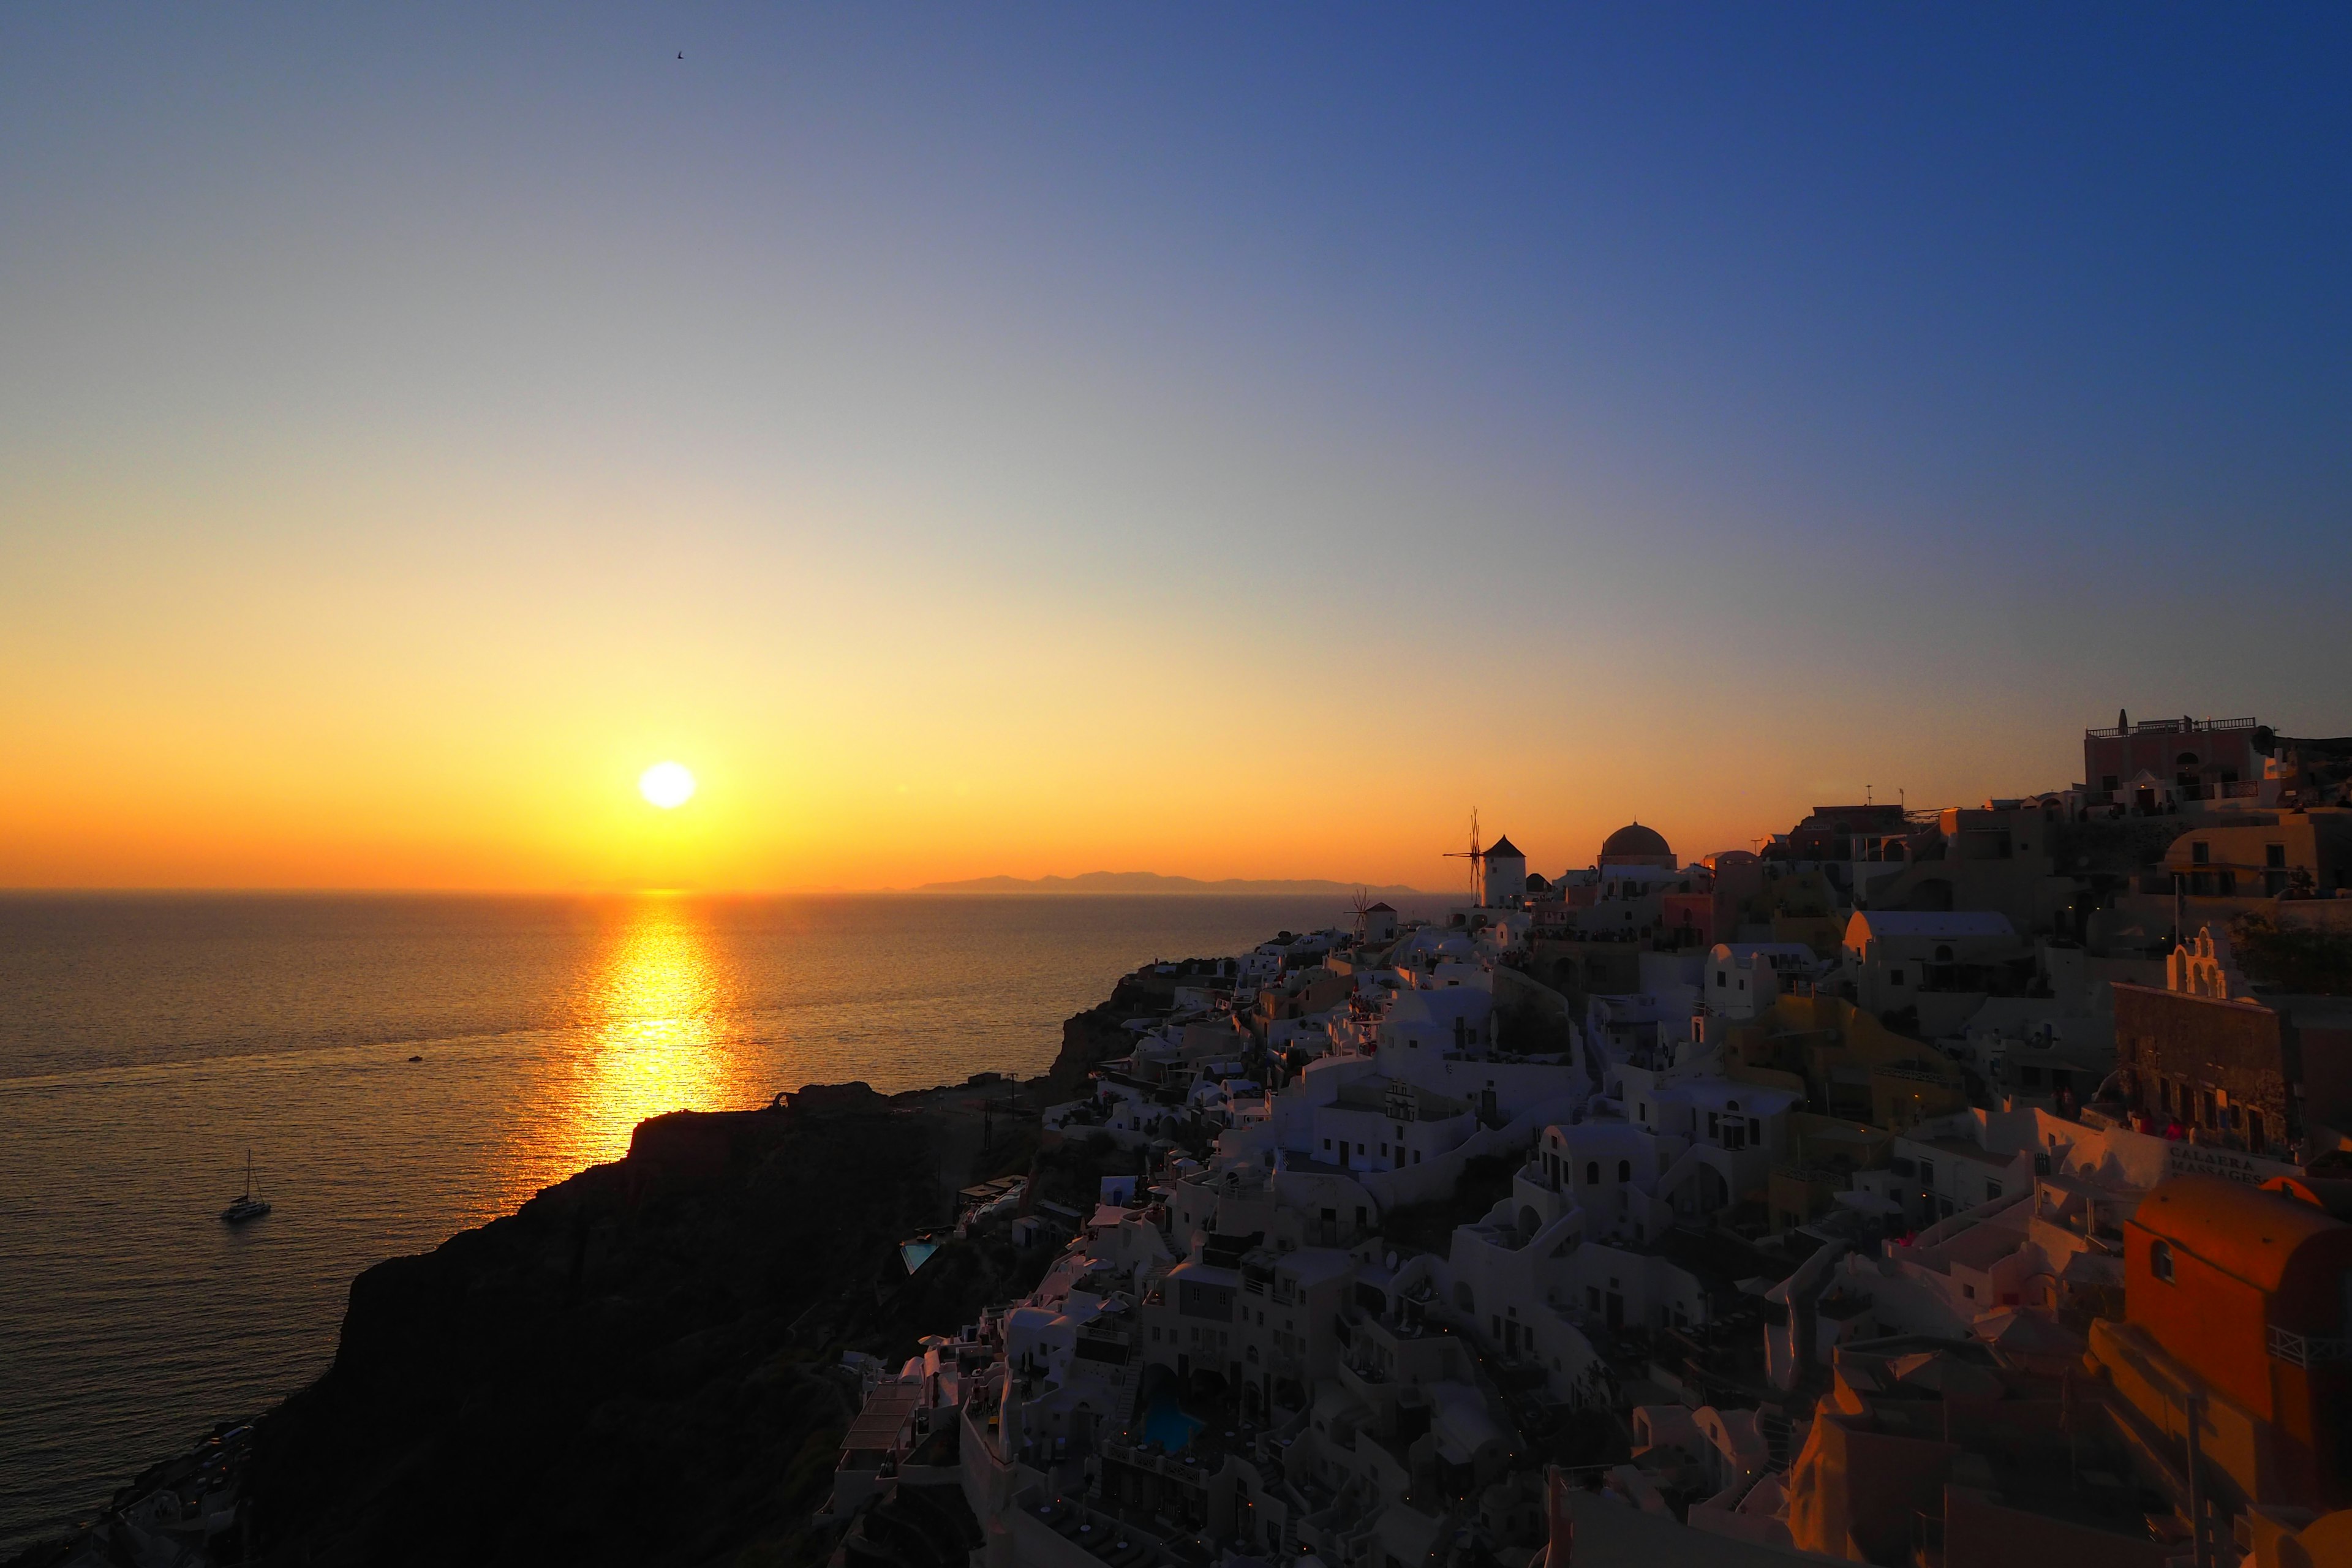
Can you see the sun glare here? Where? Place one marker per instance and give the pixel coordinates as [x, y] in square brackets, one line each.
[666, 784]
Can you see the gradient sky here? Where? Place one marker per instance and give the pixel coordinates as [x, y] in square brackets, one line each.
[1216, 440]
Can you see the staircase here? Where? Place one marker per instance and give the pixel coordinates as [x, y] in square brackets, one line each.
[1773, 1423]
[1123, 1391]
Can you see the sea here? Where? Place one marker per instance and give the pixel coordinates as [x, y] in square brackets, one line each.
[397, 1068]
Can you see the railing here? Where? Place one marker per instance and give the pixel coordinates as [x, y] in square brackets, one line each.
[2169, 727]
[2308, 1351]
[1917, 1072]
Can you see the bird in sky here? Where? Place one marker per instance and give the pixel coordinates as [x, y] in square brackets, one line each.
[681, 54]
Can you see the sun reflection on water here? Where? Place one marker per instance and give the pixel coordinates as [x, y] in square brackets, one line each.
[661, 1043]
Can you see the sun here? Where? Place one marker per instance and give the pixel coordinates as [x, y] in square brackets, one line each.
[666, 784]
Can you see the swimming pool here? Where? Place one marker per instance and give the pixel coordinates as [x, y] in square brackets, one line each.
[1165, 1423]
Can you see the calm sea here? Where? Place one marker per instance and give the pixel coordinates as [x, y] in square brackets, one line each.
[147, 1043]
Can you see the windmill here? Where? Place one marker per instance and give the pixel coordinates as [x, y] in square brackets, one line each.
[1361, 906]
[1477, 858]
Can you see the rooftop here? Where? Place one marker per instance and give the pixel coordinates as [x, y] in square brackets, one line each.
[1921, 923]
[2242, 1230]
[1633, 839]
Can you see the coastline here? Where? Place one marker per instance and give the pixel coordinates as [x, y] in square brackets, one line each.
[707, 1282]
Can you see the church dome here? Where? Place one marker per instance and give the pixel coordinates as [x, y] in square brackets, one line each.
[1636, 843]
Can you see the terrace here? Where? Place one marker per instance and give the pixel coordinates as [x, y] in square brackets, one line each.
[2169, 727]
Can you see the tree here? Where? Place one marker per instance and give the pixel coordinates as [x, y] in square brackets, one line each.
[2292, 958]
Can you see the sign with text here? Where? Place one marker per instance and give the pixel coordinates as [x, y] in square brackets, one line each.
[2186, 1159]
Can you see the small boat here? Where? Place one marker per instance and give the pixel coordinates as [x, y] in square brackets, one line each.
[247, 1206]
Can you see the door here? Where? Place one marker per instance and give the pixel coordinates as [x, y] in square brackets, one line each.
[1614, 1311]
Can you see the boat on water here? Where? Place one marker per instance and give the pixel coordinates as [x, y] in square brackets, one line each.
[247, 1206]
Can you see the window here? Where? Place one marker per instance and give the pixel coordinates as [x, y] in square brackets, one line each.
[1327, 1145]
[2254, 1131]
[2159, 1261]
[1713, 1131]
[2200, 853]
[1895, 977]
[1944, 953]
[1592, 1173]
[2274, 856]
[1624, 1170]
[1719, 979]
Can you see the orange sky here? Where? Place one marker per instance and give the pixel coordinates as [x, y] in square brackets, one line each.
[264, 675]
[468, 704]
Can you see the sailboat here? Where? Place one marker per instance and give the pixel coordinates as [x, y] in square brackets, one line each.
[247, 1206]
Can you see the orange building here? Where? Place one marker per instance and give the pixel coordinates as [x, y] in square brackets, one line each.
[2236, 1304]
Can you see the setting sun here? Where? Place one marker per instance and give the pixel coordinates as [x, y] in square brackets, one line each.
[666, 784]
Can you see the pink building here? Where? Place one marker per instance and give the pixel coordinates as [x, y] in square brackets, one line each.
[2199, 757]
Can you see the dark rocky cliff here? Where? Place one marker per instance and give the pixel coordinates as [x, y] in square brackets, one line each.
[642, 1365]
[636, 1367]
[1094, 1036]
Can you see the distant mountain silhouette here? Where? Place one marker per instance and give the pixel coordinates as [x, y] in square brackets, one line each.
[1153, 882]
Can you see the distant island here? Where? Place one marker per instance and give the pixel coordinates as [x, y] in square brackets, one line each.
[1153, 882]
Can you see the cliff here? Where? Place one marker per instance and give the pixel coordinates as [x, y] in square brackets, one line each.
[643, 1364]
[1091, 1037]
[638, 1367]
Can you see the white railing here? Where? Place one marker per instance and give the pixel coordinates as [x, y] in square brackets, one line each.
[2308, 1350]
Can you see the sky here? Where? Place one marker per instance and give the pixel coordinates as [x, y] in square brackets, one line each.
[1221, 440]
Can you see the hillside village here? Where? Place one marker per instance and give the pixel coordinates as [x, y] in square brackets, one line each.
[1932, 1187]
